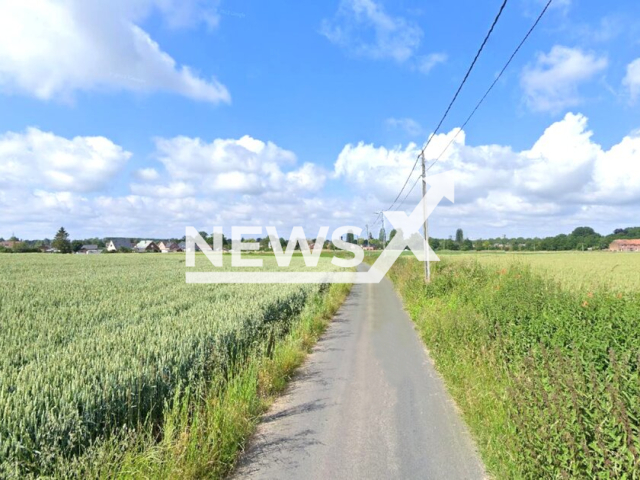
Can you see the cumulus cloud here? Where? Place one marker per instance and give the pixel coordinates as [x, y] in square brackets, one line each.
[364, 28]
[562, 180]
[43, 160]
[563, 177]
[551, 83]
[632, 79]
[51, 49]
[244, 165]
[147, 174]
[172, 190]
[58, 181]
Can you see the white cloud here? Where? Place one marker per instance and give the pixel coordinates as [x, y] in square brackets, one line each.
[223, 182]
[43, 160]
[409, 125]
[551, 83]
[173, 190]
[147, 174]
[309, 177]
[51, 49]
[561, 162]
[563, 180]
[245, 165]
[565, 177]
[632, 79]
[426, 63]
[365, 28]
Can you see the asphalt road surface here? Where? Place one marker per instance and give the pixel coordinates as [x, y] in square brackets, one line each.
[367, 404]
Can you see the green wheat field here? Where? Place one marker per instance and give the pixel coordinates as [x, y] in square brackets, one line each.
[94, 346]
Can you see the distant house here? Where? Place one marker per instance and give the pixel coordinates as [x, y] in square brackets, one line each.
[116, 244]
[10, 243]
[169, 246]
[146, 246]
[183, 247]
[625, 246]
[89, 249]
[368, 247]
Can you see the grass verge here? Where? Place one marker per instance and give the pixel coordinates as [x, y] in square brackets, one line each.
[548, 380]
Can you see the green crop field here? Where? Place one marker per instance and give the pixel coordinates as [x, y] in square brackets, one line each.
[583, 270]
[90, 345]
[542, 354]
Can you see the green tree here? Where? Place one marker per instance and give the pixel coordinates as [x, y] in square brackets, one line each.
[392, 234]
[459, 236]
[61, 241]
[76, 245]
[264, 243]
[583, 232]
[350, 238]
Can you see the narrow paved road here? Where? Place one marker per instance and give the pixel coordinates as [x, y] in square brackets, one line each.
[367, 404]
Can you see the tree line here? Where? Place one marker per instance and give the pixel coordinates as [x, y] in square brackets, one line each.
[581, 238]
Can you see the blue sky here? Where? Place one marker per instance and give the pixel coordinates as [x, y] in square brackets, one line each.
[142, 117]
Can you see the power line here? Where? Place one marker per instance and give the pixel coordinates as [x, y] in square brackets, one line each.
[455, 96]
[482, 99]
[506, 65]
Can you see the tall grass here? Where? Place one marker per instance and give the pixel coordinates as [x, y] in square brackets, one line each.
[548, 379]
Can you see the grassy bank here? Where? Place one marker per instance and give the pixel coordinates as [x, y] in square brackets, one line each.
[546, 378]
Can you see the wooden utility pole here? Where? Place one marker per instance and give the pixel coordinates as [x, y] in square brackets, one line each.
[384, 237]
[427, 266]
[384, 233]
[367, 225]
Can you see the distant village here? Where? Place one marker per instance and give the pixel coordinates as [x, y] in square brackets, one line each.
[582, 238]
[113, 245]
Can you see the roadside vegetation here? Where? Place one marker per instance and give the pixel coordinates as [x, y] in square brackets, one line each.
[547, 374]
[113, 366]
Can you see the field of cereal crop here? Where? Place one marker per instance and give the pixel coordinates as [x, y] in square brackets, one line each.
[92, 344]
[584, 270]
